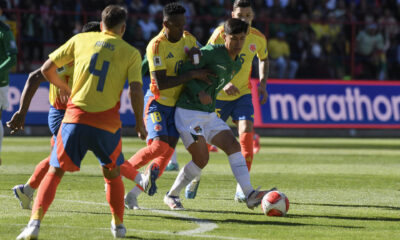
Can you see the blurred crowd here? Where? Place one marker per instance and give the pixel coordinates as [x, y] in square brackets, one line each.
[329, 39]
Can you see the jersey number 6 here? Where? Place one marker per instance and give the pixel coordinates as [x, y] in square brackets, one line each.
[102, 74]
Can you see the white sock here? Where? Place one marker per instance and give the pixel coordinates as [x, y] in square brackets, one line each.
[1, 133]
[238, 188]
[185, 176]
[139, 179]
[240, 171]
[136, 191]
[173, 158]
[28, 190]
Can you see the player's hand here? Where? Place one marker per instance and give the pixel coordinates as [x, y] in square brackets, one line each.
[192, 52]
[262, 92]
[17, 122]
[231, 89]
[204, 98]
[141, 131]
[63, 96]
[203, 75]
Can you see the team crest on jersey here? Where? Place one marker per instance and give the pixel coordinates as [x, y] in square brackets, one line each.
[253, 47]
[157, 61]
[157, 127]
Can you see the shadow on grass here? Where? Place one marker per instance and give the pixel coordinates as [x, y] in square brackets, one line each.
[246, 221]
[348, 205]
[345, 217]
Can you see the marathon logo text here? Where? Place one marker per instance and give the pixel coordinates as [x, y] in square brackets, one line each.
[351, 105]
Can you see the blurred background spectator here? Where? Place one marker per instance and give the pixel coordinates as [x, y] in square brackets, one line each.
[333, 39]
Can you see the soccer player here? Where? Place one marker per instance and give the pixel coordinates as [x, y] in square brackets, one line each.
[8, 58]
[102, 63]
[235, 99]
[198, 124]
[58, 104]
[165, 54]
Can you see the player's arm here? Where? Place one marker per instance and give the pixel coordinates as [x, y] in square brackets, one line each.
[49, 71]
[164, 82]
[136, 94]
[263, 68]
[17, 121]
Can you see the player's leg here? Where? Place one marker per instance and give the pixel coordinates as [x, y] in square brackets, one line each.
[24, 193]
[242, 115]
[66, 156]
[190, 127]
[107, 147]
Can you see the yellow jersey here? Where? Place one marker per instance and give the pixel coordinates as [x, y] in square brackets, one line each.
[165, 55]
[65, 73]
[102, 64]
[255, 44]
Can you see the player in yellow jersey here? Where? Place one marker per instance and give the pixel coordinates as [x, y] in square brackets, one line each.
[235, 99]
[102, 63]
[165, 54]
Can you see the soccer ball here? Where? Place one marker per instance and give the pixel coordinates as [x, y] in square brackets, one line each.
[275, 204]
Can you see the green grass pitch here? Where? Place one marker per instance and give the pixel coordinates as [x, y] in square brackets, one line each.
[338, 189]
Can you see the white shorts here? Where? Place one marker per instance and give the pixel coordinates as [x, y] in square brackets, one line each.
[3, 98]
[191, 123]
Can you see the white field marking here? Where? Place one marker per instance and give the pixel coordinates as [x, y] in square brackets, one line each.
[204, 226]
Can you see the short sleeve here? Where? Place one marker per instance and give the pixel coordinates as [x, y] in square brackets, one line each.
[262, 52]
[216, 37]
[65, 53]
[135, 69]
[156, 56]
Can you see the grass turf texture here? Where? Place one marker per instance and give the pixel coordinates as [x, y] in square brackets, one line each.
[338, 189]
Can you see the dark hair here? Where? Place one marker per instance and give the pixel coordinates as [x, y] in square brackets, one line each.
[113, 15]
[242, 4]
[172, 9]
[235, 26]
[92, 26]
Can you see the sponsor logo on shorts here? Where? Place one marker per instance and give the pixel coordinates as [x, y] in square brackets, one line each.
[157, 127]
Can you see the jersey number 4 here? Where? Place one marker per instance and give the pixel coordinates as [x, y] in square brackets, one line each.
[102, 74]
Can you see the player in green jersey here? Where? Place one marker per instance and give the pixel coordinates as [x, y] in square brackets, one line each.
[197, 122]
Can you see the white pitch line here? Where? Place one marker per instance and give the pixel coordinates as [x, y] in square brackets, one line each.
[204, 225]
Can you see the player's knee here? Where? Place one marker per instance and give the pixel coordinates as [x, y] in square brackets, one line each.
[159, 147]
[111, 173]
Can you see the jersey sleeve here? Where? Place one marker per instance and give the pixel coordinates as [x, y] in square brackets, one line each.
[135, 69]
[10, 50]
[64, 54]
[156, 56]
[262, 52]
[216, 37]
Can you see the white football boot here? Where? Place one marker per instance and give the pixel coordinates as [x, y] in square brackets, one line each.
[118, 231]
[254, 199]
[131, 201]
[31, 231]
[24, 200]
[174, 203]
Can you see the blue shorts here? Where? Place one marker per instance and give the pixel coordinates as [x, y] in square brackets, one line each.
[159, 119]
[54, 119]
[74, 140]
[239, 109]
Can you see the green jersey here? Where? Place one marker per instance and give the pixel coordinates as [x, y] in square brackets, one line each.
[8, 53]
[215, 58]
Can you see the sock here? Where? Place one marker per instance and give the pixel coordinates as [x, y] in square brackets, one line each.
[146, 154]
[246, 144]
[1, 134]
[45, 195]
[115, 197]
[139, 179]
[185, 176]
[136, 191]
[128, 171]
[241, 172]
[162, 161]
[173, 158]
[38, 175]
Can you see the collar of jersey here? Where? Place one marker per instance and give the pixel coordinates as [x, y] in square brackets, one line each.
[111, 33]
